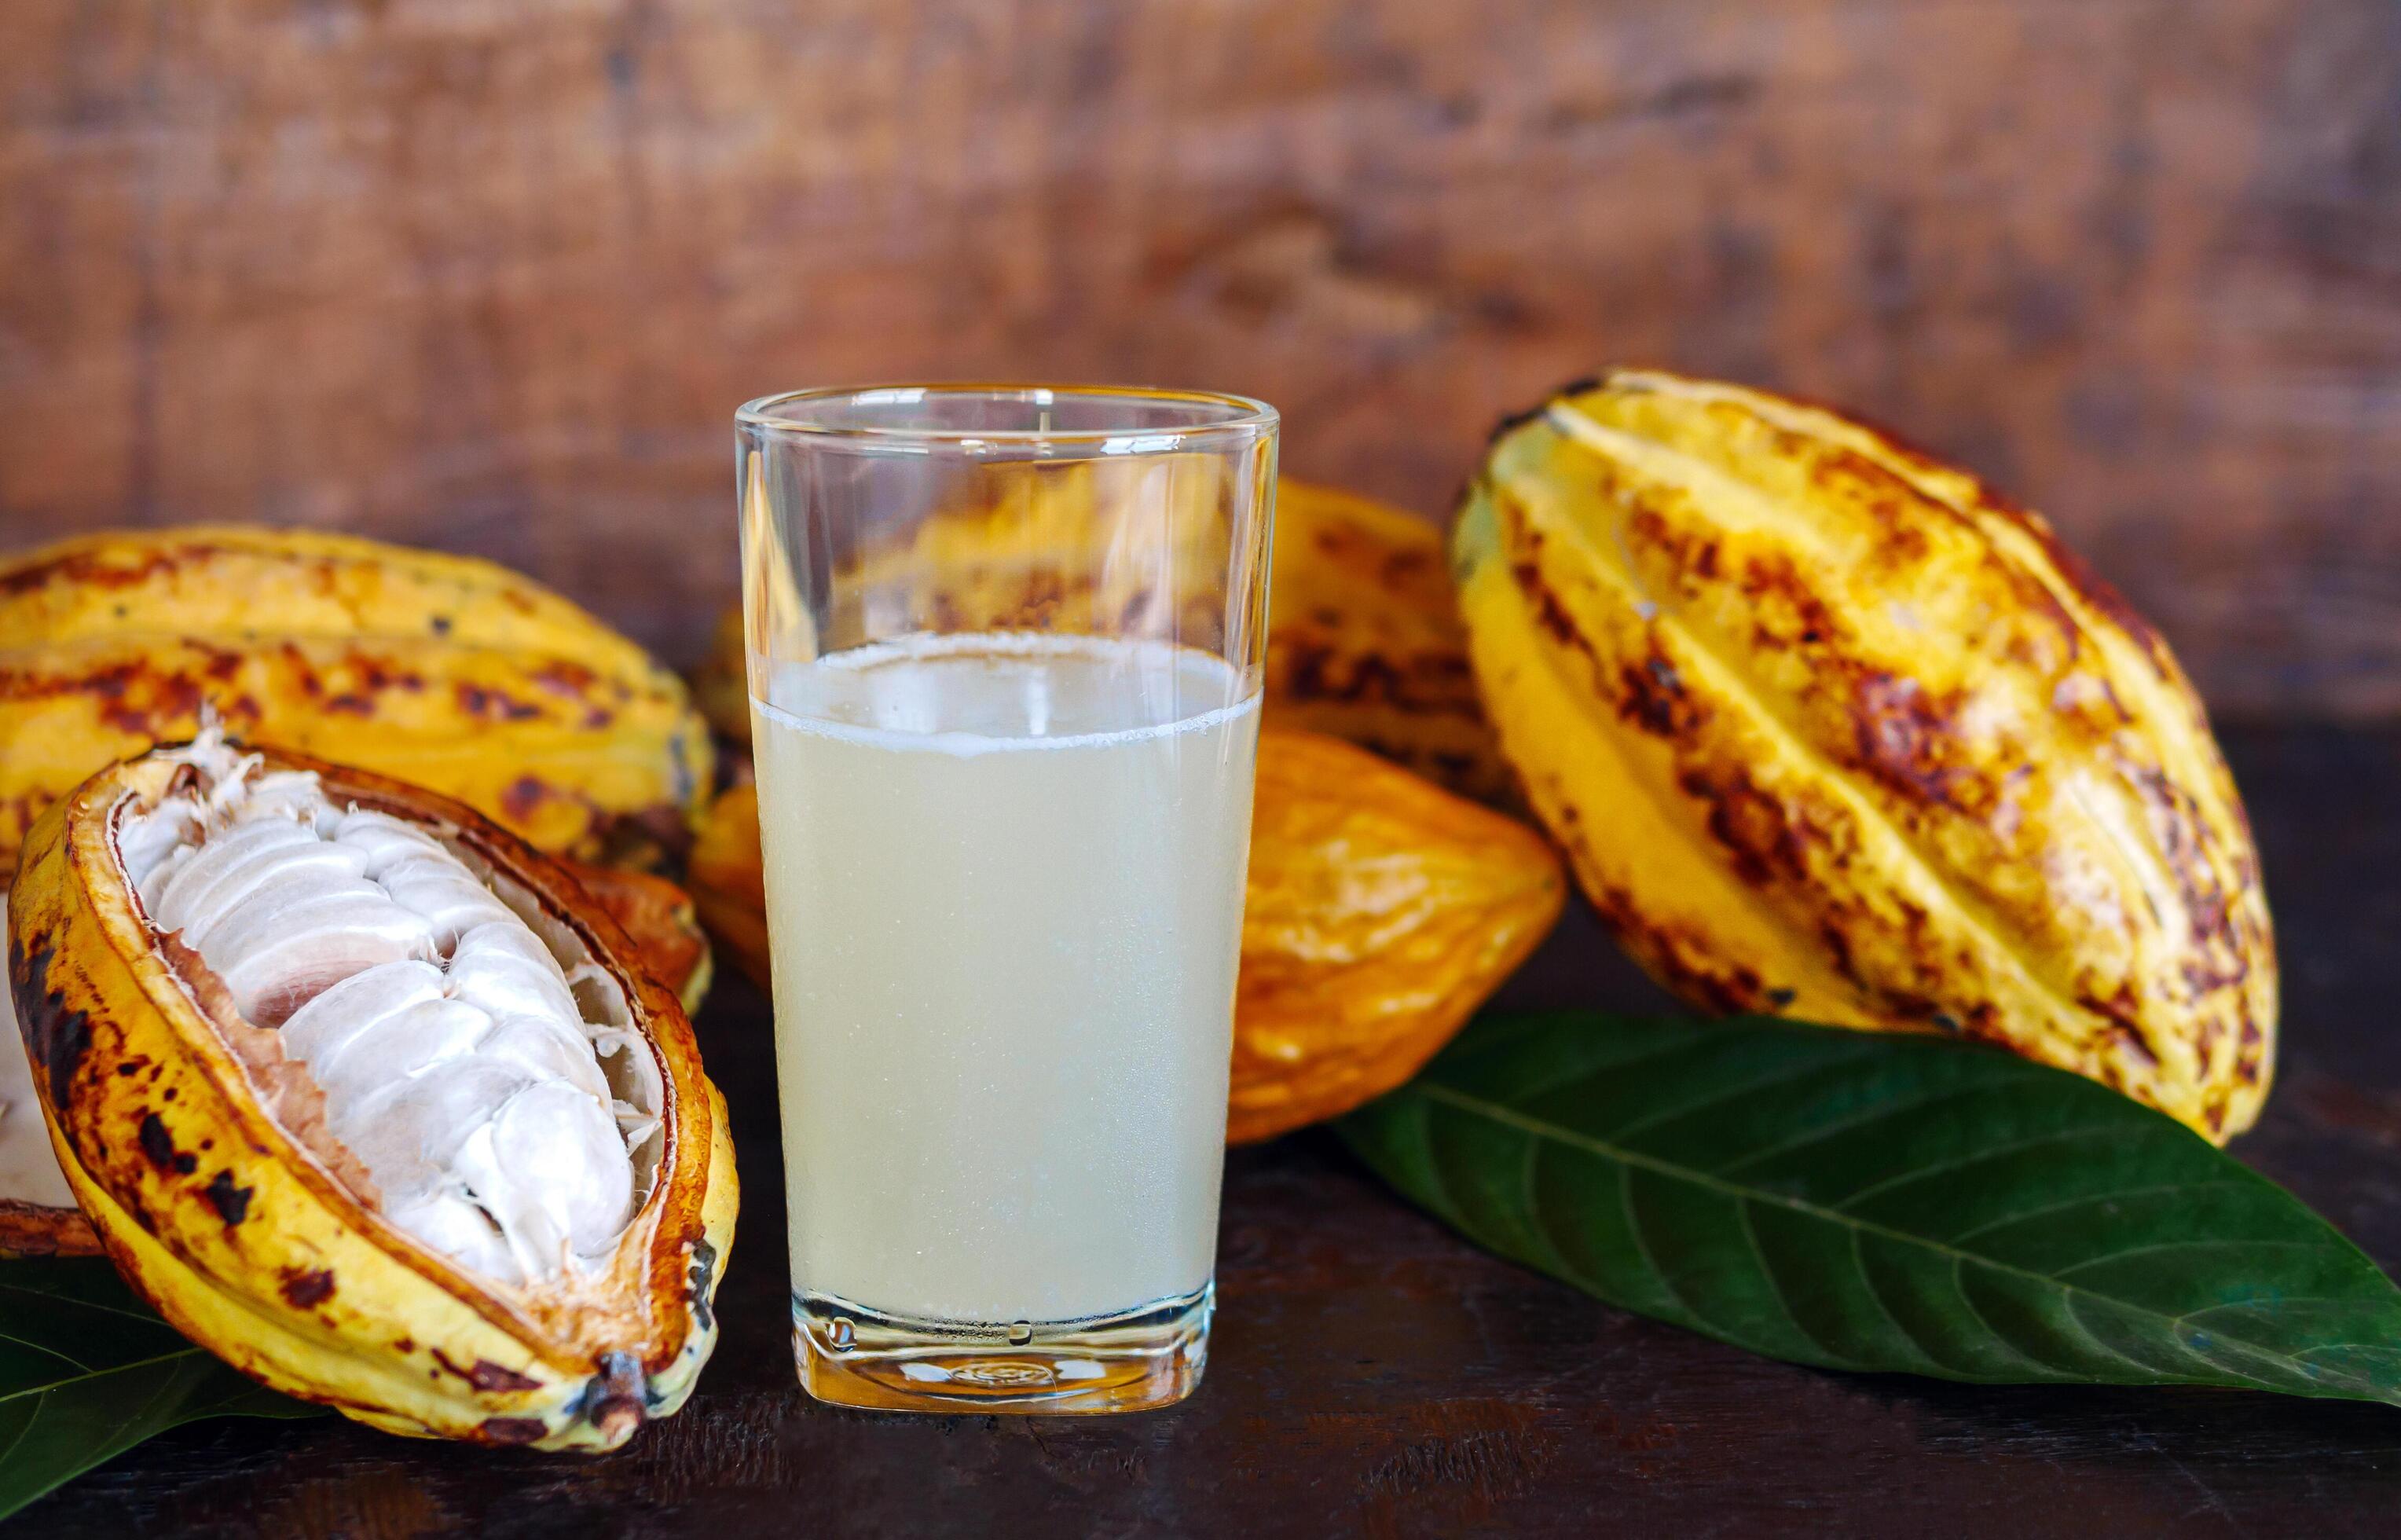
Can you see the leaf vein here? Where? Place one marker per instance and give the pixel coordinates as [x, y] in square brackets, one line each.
[2012, 1146]
[2037, 1212]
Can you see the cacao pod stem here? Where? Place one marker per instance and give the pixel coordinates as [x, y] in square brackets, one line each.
[617, 1398]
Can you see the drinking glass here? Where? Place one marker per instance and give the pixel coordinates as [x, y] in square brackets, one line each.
[1003, 647]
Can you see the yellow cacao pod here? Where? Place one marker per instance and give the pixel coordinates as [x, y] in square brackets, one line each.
[1829, 729]
[1381, 910]
[446, 671]
[273, 1160]
[1363, 639]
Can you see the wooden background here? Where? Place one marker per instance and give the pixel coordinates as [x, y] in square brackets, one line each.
[494, 275]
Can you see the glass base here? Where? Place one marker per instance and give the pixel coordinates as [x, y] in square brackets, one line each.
[1150, 1356]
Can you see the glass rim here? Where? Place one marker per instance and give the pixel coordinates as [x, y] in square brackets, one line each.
[1246, 417]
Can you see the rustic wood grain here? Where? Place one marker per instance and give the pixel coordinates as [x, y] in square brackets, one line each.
[492, 275]
[1373, 1375]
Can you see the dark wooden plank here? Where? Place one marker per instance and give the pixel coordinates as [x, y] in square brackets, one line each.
[494, 276]
[1372, 1375]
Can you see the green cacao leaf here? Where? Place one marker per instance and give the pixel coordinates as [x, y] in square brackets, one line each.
[1867, 1201]
[87, 1371]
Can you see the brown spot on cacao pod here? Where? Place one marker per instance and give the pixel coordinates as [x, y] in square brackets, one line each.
[2135, 1047]
[380, 674]
[1908, 740]
[1549, 612]
[565, 677]
[1760, 834]
[160, 1148]
[522, 796]
[1655, 700]
[486, 1375]
[231, 1202]
[308, 1289]
[58, 1038]
[88, 568]
[489, 1376]
[513, 1430]
[486, 704]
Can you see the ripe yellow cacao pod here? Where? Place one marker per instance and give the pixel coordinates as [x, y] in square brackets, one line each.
[1381, 910]
[1363, 639]
[1829, 729]
[372, 1099]
[446, 671]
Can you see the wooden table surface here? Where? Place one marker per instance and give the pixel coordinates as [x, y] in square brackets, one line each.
[1374, 1375]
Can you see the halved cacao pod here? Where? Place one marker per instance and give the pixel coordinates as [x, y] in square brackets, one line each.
[445, 671]
[1829, 729]
[38, 1217]
[1381, 910]
[1363, 642]
[214, 1165]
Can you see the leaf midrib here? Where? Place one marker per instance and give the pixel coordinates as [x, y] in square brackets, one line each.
[1541, 1128]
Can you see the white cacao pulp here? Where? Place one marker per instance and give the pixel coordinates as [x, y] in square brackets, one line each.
[491, 1087]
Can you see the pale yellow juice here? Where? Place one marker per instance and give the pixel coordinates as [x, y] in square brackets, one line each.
[1004, 888]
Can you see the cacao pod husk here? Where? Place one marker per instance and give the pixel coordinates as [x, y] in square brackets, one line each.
[446, 671]
[1379, 911]
[199, 1158]
[1829, 729]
